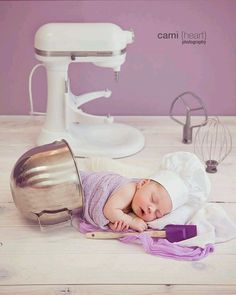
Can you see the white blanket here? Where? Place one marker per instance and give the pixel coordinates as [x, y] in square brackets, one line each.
[214, 225]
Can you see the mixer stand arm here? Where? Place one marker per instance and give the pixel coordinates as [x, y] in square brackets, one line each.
[76, 115]
[86, 97]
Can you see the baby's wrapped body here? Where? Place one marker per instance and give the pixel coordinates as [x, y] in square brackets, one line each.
[97, 188]
[108, 196]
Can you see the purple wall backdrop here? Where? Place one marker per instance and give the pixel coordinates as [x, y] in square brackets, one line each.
[156, 70]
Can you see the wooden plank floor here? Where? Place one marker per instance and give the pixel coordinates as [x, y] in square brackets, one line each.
[64, 262]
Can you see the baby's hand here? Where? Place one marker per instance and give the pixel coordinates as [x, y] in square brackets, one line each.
[138, 224]
[118, 226]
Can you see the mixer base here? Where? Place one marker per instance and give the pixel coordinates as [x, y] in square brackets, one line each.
[112, 140]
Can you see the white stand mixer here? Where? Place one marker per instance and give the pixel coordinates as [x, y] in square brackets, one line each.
[104, 45]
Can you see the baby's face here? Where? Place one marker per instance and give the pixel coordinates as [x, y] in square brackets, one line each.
[151, 200]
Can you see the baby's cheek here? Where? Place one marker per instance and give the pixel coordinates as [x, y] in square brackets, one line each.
[150, 217]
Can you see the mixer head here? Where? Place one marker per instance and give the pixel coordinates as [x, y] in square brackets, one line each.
[103, 44]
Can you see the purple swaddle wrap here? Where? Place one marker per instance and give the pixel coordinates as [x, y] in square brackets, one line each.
[97, 187]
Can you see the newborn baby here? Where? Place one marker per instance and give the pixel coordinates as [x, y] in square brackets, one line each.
[110, 197]
[147, 199]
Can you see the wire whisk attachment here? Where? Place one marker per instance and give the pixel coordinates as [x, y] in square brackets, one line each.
[212, 143]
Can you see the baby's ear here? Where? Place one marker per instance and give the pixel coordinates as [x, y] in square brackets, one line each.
[142, 182]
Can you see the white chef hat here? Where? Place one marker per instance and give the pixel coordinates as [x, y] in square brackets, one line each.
[174, 185]
[183, 176]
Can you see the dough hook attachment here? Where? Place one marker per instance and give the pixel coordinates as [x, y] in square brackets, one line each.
[187, 125]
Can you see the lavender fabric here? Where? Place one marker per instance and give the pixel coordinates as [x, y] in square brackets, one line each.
[97, 187]
[164, 248]
[154, 246]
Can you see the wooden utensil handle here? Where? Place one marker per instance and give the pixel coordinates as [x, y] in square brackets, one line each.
[117, 235]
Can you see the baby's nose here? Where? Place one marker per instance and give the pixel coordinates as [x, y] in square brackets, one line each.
[151, 209]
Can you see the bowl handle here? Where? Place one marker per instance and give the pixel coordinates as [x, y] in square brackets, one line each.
[44, 226]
